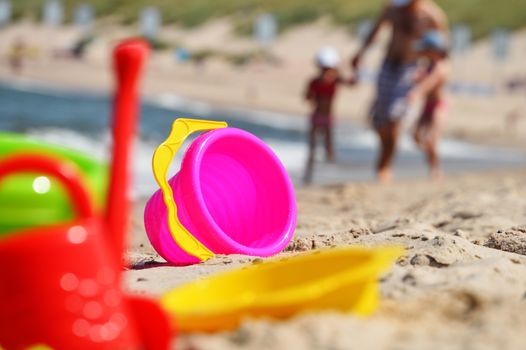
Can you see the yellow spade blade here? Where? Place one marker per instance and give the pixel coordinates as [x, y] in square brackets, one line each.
[340, 278]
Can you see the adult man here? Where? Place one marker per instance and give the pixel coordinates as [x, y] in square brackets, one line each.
[409, 20]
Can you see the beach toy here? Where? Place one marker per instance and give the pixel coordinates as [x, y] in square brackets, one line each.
[232, 195]
[61, 284]
[32, 200]
[343, 279]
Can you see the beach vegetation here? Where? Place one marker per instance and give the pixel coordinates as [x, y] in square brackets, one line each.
[481, 15]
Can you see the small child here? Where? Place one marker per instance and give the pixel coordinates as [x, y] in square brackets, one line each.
[432, 47]
[17, 55]
[321, 92]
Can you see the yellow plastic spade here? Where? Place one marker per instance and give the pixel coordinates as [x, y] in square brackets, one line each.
[341, 278]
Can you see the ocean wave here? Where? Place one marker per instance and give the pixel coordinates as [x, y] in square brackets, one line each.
[80, 121]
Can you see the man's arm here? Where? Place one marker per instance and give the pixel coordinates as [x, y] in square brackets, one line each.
[438, 17]
[370, 38]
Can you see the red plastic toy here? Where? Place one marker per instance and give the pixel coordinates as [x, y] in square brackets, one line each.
[60, 285]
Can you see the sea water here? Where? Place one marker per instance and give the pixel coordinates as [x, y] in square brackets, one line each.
[81, 120]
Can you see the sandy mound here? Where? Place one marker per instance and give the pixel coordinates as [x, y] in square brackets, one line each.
[512, 240]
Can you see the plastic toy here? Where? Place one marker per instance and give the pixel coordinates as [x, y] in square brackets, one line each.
[32, 200]
[61, 283]
[231, 196]
[342, 279]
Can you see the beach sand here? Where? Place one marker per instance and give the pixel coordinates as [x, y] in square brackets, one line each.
[460, 285]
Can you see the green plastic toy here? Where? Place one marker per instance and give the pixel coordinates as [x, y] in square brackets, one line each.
[35, 200]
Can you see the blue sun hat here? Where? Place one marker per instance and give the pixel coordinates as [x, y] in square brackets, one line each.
[400, 3]
[432, 40]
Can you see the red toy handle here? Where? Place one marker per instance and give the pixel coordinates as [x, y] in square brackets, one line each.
[63, 171]
[128, 60]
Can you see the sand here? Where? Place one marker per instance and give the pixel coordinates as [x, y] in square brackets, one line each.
[460, 285]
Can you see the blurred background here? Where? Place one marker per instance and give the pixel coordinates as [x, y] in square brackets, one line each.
[247, 62]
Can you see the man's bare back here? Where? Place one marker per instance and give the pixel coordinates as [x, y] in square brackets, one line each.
[407, 24]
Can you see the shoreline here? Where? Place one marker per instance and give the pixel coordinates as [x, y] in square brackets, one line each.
[276, 89]
[171, 101]
[356, 145]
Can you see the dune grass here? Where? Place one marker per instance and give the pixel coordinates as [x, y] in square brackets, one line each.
[481, 15]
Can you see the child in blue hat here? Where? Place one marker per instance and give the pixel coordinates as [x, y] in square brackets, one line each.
[433, 49]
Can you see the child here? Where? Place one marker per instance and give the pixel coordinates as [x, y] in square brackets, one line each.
[321, 91]
[432, 47]
[17, 55]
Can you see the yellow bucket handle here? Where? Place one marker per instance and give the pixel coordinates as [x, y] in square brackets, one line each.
[162, 158]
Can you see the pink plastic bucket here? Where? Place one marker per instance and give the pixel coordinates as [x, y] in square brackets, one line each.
[232, 194]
